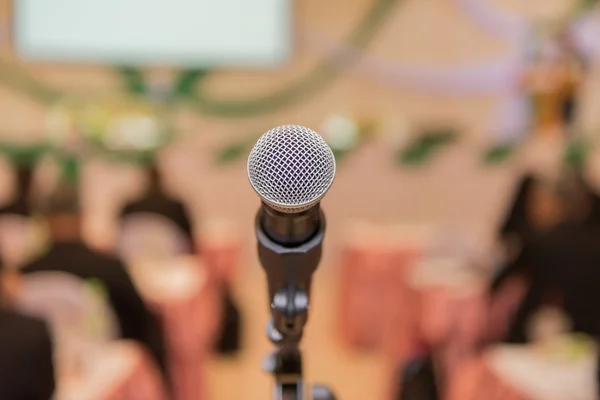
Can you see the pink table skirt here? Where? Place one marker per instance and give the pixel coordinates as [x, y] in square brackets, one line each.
[370, 282]
[191, 326]
[221, 259]
[475, 381]
[144, 383]
[439, 320]
[452, 324]
[380, 309]
[122, 370]
[220, 246]
[446, 319]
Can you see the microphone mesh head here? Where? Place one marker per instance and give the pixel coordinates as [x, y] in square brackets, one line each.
[291, 168]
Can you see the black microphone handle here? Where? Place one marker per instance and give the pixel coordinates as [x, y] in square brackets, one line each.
[289, 269]
[290, 229]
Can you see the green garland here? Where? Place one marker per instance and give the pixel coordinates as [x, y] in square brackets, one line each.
[576, 153]
[29, 155]
[186, 86]
[189, 89]
[22, 82]
[316, 80]
[499, 153]
[70, 168]
[426, 145]
[586, 5]
[133, 80]
[23, 155]
[235, 150]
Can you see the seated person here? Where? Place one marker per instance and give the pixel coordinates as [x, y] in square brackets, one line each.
[18, 240]
[26, 359]
[535, 209]
[19, 204]
[68, 253]
[518, 221]
[532, 211]
[155, 201]
[561, 267]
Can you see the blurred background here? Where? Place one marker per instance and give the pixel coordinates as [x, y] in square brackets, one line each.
[461, 250]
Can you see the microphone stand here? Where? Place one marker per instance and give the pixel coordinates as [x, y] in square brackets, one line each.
[289, 270]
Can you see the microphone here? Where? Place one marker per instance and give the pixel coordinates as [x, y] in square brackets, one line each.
[291, 168]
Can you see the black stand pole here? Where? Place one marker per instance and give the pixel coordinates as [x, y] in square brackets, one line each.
[285, 364]
[289, 270]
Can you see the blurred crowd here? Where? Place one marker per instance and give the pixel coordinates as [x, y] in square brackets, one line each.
[516, 321]
[454, 318]
[70, 311]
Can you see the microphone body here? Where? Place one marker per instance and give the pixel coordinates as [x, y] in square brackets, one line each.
[291, 168]
[289, 250]
[290, 229]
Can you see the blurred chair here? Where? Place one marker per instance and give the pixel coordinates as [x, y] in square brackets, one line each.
[419, 380]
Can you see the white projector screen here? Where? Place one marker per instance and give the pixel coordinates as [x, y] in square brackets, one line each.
[165, 32]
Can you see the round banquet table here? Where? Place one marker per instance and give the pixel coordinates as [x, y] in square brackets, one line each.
[220, 246]
[181, 292]
[519, 372]
[375, 262]
[119, 370]
[442, 310]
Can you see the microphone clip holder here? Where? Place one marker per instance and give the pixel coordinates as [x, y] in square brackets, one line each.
[289, 271]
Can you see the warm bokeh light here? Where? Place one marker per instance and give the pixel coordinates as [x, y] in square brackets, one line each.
[461, 248]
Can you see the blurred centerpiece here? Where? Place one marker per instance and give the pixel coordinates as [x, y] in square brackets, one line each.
[128, 130]
[345, 133]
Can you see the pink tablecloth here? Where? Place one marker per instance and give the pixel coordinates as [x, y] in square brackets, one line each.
[190, 330]
[370, 281]
[143, 384]
[121, 371]
[186, 299]
[380, 307]
[449, 320]
[475, 381]
[383, 307]
[562, 368]
[220, 248]
[221, 259]
[441, 320]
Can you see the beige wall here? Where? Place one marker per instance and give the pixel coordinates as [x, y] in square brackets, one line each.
[454, 188]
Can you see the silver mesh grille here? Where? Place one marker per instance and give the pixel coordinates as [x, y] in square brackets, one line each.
[291, 168]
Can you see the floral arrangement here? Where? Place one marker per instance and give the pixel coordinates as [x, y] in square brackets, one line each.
[132, 130]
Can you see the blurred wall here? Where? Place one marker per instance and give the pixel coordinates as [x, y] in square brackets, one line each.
[454, 188]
